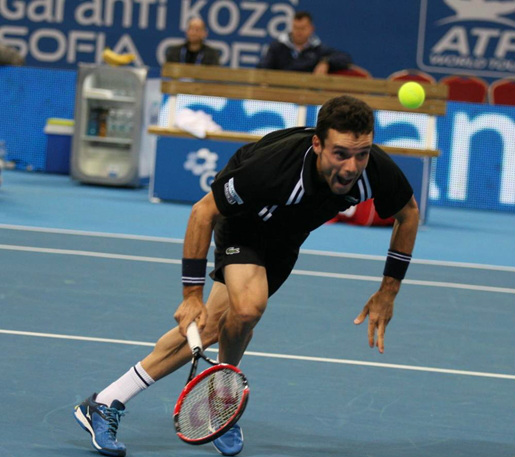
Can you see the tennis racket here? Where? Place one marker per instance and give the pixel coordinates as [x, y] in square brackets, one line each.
[211, 402]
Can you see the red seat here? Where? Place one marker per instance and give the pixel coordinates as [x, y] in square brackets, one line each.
[466, 88]
[363, 213]
[412, 74]
[355, 71]
[502, 92]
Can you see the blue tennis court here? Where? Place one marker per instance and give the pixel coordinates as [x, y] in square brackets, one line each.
[90, 279]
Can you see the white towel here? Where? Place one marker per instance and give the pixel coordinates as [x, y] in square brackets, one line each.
[196, 122]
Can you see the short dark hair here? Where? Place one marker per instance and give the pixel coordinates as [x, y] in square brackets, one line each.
[344, 114]
[198, 18]
[301, 15]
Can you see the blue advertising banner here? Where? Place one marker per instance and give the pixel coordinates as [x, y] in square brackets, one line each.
[63, 33]
[467, 36]
[439, 36]
[476, 168]
[185, 169]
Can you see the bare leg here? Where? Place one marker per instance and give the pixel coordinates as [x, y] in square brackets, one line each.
[172, 351]
[247, 287]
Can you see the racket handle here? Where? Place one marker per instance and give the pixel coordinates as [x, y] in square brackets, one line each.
[193, 337]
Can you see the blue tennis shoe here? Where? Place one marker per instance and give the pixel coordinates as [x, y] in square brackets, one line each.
[101, 422]
[231, 442]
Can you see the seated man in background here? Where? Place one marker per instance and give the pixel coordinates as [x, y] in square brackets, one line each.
[302, 50]
[194, 50]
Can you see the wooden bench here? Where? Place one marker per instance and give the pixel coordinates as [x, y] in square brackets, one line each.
[290, 87]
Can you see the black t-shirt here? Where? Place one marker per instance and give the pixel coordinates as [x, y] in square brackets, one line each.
[180, 53]
[274, 183]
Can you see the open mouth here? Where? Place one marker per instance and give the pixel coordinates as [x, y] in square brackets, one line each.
[343, 181]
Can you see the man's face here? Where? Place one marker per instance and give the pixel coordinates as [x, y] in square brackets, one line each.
[342, 159]
[196, 32]
[301, 30]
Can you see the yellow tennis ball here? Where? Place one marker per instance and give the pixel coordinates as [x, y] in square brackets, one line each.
[411, 95]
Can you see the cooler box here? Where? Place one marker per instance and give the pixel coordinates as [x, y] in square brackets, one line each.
[59, 142]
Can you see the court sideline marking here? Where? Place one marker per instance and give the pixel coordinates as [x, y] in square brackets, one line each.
[125, 236]
[105, 255]
[274, 355]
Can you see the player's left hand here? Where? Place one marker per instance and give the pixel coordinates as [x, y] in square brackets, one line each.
[379, 309]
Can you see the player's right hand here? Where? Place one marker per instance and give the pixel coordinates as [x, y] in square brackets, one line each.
[191, 309]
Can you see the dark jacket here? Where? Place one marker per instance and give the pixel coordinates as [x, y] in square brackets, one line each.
[282, 55]
[206, 56]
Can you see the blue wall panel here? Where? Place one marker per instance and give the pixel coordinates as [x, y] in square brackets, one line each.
[476, 168]
[28, 97]
[438, 36]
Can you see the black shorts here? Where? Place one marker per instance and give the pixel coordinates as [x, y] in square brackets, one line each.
[247, 243]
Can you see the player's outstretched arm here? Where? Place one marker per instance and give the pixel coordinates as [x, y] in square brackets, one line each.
[196, 246]
[379, 307]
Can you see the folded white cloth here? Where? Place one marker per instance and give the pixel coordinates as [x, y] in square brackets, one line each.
[196, 122]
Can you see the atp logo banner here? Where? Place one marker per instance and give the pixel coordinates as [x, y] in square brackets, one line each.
[467, 36]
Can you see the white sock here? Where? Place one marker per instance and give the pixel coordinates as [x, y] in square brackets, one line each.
[126, 387]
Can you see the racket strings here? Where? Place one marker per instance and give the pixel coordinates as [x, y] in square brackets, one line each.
[211, 404]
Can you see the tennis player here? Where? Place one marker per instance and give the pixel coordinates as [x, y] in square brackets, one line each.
[262, 207]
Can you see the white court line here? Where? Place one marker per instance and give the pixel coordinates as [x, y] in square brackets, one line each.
[105, 255]
[275, 356]
[124, 236]
[414, 282]
[443, 263]
[440, 263]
